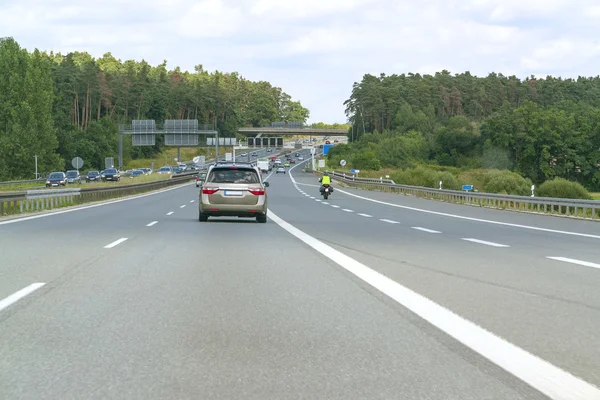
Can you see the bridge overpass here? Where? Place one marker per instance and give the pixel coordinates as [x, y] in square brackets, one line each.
[292, 131]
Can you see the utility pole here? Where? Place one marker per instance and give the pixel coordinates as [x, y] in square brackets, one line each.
[36, 169]
[217, 147]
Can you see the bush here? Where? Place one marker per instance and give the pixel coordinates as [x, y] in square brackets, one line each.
[426, 177]
[562, 188]
[506, 182]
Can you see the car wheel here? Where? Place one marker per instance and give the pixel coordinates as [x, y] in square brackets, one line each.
[261, 219]
[202, 217]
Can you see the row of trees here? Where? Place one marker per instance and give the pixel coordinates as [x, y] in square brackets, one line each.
[539, 128]
[60, 106]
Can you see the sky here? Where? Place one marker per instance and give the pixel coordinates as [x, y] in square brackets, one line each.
[316, 49]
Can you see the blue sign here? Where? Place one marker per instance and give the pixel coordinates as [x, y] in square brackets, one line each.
[326, 148]
[352, 171]
[467, 187]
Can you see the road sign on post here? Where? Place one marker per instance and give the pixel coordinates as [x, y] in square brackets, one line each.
[467, 187]
[77, 163]
[343, 163]
[228, 156]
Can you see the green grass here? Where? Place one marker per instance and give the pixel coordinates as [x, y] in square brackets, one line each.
[596, 195]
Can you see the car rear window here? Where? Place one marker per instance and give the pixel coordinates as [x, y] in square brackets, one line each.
[110, 171]
[56, 175]
[241, 175]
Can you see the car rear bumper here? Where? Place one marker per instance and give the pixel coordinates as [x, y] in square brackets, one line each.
[233, 210]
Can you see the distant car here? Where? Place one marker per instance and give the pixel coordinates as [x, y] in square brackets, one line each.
[244, 155]
[136, 173]
[233, 190]
[297, 154]
[56, 179]
[200, 178]
[292, 161]
[254, 154]
[279, 169]
[178, 170]
[300, 158]
[165, 170]
[73, 176]
[111, 174]
[93, 176]
[287, 164]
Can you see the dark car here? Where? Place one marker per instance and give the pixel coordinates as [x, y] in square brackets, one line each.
[93, 176]
[111, 174]
[56, 179]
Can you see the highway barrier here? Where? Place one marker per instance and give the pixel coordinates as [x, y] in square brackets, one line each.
[20, 202]
[573, 208]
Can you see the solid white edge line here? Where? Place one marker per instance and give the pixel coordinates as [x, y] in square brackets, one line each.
[12, 221]
[578, 262]
[485, 242]
[115, 243]
[152, 223]
[389, 221]
[170, 213]
[425, 229]
[538, 373]
[535, 228]
[13, 298]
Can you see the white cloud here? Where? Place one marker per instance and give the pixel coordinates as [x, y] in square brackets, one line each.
[316, 49]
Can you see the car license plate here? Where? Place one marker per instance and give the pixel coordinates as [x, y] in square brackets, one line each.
[233, 193]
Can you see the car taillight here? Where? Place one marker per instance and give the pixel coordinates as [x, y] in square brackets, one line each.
[257, 192]
[209, 190]
[197, 179]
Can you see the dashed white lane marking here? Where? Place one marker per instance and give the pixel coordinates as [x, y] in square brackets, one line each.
[170, 213]
[13, 298]
[365, 215]
[318, 200]
[347, 210]
[326, 203]
[191, 201]
[312, 197]
[538, 373]
[425, 229]
[485, 242]
[115, 243]
[578, 262]
[182, 206]
[152, 223]
[335, 206]
[389, 221]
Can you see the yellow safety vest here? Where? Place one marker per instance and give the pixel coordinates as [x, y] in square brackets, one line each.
[326, 180]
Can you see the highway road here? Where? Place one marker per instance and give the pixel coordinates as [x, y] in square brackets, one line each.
[138, 300]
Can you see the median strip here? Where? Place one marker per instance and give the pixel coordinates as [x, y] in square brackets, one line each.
[115, 243]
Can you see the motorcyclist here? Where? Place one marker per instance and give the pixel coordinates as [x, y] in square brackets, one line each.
[325, 180]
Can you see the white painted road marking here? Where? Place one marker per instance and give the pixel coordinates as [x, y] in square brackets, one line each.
[487, 221]
[540, 374]
[485, 242]
[365, 215]
[335, 206]
[13, 298]
[578, 262]
[389, 221]
[115, 243]
[152, 223]
[182, 206]
[347, 210]
[191, 201]
[425, 229]
[170, 213]
[312, 197]
[318, 200]
[326, 203]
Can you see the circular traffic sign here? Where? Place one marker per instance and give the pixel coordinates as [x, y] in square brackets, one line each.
[196, 159]
[343, 163]
[77, 162]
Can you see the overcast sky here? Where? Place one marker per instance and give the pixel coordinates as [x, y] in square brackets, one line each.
[316, 49]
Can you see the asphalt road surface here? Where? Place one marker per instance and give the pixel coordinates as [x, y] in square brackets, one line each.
[138, 300]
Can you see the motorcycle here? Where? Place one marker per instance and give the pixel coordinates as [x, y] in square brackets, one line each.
[326, 190]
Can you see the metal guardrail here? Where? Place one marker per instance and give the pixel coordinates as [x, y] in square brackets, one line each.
[574, 208]
[14, 203]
